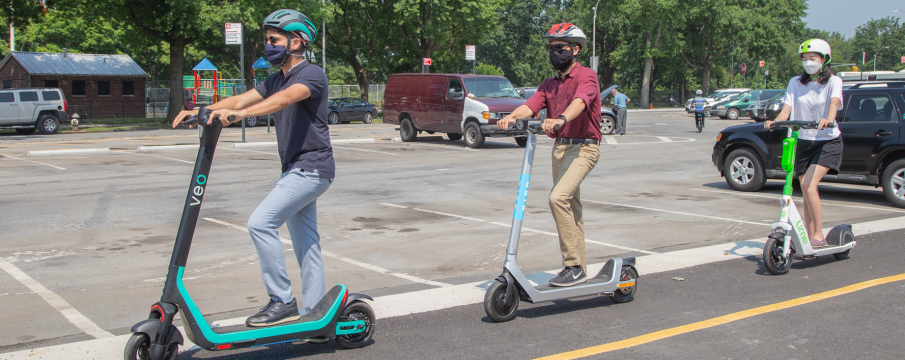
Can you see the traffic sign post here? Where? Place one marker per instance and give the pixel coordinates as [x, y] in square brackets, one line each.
[744, 68]
[470, 51]
[903, 59]
[233, 32]
[425, 64]
[761, 63]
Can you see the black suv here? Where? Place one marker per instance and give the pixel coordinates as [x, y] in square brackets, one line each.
[872, 135]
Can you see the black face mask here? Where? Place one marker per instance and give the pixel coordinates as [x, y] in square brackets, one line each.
[561, 59]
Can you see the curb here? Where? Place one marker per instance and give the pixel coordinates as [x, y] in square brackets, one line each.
[352, 141]
[656, 110]
[254, 144]
[41, 153]
[420, 138]
[149, 149]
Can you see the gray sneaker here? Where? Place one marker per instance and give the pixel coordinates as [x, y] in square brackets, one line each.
[274, 313]
[570, 275]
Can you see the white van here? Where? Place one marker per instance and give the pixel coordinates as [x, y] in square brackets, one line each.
[27, 110]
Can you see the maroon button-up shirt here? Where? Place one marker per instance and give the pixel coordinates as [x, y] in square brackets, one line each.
[555, 94]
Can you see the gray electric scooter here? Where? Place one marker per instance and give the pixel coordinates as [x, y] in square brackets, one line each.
[504, 293]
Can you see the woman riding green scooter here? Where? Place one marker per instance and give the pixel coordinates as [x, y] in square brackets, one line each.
[815, 94]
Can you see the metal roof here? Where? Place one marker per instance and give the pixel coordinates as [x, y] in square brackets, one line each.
[76, 64]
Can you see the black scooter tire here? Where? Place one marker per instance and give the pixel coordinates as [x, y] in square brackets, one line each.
[625, 295]
[358, 310]
[772, 260]
[137, 348]
[493, 302]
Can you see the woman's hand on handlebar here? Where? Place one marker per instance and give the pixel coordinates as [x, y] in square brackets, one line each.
[823, 123]
[551, 125]
[183, 116]
[505, 122]
[768, 124]
[225, 115]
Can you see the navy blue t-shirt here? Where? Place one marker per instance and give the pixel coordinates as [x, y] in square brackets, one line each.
[303, 136]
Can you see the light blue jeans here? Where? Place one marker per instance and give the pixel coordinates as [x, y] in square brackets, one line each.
[292, 201]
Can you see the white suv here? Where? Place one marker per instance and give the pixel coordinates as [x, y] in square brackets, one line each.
[715, 97]
[27, 110]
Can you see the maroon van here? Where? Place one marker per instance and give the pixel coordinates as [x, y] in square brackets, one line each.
[455, 104]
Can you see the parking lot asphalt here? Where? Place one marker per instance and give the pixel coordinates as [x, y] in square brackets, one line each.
[96, 231]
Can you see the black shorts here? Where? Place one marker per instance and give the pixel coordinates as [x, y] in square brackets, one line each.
[826, 153]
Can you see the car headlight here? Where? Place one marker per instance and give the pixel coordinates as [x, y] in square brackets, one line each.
[490, 115]
[720, 107]
[719, 136]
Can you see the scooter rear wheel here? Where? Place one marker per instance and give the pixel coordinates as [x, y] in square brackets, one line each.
[357, 310]
[626, 294]
[494, 306]
[773, 260]
[138, 346]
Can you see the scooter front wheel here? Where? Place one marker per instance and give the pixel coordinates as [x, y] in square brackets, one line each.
[357, 310]
[773, 259]
[494, 304]
[138, 348]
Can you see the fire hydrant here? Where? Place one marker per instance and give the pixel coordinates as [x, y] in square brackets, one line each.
[75, 122]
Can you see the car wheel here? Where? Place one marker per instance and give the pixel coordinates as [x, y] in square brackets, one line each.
[707, 112]
[251, 121]
[474, 138]
[28, 131]
[333, 118]
[894, 183]
[607, 125]
[744, 171]
[407, 130]
[368, 118]
[453, 136]
[732, 114]
[48, 124]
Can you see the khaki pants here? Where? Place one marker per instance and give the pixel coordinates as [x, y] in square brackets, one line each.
[571, 163]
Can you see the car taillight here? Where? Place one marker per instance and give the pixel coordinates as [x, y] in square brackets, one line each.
[65, 105]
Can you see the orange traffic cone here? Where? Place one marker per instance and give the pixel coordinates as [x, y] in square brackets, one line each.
[651, 106]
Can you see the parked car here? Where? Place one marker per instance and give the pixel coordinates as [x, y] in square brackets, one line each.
[455, 104]
[732, 108]
[872, 134]
[346, 110]
[713, 98]
[768, 109]
[27, 110]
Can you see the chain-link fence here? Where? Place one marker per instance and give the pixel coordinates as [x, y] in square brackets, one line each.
[375, 93]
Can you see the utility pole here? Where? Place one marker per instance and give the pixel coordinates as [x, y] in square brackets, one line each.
[594, 60]
[324, 41]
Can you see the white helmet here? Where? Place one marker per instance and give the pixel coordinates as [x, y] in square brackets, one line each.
[699, 92]
[818, 46]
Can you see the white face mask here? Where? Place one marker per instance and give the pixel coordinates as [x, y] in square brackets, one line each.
[811, 66]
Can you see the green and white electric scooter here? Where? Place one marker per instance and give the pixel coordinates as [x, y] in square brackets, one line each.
[789, 239]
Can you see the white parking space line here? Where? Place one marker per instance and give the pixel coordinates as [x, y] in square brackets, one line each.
[346, 259]
[254, 151]
[610, 140]
[71, 314]
[523, 228]
[824, 202]
[36, 162]
[373, 151]
[676, 212]
[664, 139]
[157, 156]
[436, 299]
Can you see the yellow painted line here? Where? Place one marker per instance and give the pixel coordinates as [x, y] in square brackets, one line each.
[725, 319]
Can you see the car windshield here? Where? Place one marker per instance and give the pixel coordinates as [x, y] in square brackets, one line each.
[333, 102]
[778, 97]
[491, 87]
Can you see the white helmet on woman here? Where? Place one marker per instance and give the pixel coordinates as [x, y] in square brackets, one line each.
[818, 46]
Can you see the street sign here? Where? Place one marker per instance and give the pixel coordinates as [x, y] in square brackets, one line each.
[233, 33]
[761, 63]
[469, 52]
[903, 59]
[427, 61]
[744, 68]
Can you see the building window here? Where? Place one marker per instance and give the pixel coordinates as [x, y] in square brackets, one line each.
[51, 83]
[78, 87]
[128, 88]
[7, 84]
[103, 88]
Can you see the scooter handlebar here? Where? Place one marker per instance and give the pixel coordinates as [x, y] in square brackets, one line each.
[804, 124]
[194, 119]
[533, 125]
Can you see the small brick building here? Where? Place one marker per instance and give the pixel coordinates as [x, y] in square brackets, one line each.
[95, 85]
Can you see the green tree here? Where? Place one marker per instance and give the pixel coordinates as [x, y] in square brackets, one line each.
[359, 34]
[487, 69]
[872, 36]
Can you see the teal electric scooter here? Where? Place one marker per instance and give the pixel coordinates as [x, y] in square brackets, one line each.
[339, 314]
[789, 239]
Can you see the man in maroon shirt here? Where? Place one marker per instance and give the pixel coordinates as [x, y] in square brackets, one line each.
[572, 97]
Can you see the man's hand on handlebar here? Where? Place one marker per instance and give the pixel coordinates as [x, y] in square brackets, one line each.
[183, 116]
[505, 122]
[551, 125]
[226, 116]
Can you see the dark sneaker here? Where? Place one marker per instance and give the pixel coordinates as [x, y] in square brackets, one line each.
[318, 339]
[274, 313]
[570, 275]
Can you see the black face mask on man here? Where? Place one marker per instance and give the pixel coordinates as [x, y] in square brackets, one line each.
[561, 59]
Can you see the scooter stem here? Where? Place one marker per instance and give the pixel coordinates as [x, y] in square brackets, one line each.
[525, 179]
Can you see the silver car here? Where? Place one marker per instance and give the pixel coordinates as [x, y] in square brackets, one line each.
[27, 110]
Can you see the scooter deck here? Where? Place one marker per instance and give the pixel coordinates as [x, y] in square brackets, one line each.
[319, 311]
[604, 276]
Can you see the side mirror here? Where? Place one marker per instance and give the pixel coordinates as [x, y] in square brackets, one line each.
[521, 93]
[746, 100]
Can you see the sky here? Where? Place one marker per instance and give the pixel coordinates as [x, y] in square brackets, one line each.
[843, 16]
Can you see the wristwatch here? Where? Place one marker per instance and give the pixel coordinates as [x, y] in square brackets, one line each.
[564, 120]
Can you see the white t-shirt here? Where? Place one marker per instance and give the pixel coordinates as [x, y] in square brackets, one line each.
[810, 103]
